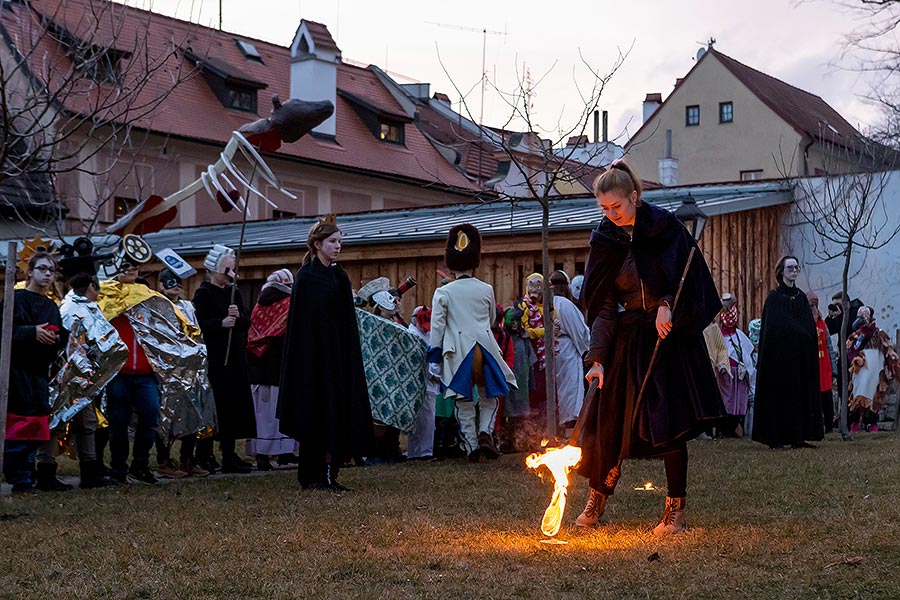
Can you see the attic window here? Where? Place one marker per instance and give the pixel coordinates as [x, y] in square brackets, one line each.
[249, 50]
[97, 62]
[385, 124]
[391, 132]
[233, 88]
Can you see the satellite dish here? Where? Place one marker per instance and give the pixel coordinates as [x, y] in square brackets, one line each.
[700, 53]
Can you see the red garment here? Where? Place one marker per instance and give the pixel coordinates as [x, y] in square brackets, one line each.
[267, 323]
[504, 340]
[137, 363]
[27, 428]
[824, 357]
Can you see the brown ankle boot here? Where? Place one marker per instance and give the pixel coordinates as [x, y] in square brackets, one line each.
[673, 519]
[594, 509]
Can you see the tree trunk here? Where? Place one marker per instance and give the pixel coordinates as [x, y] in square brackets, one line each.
[550, 355]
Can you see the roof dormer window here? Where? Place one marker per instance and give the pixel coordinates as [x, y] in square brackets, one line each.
[391, 132]
[99, 62]
[386, 125]
[233, 88]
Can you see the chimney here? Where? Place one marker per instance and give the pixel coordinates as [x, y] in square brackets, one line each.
[442, 98]
[314, 61]
[597, 125]
[668, 166]
[651, 103]
[605, 126]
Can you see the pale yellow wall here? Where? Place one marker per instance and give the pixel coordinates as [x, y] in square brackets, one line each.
[710, 152]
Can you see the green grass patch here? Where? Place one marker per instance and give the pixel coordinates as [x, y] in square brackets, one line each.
[821, 523]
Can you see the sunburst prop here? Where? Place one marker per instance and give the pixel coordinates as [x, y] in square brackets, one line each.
[30, 248]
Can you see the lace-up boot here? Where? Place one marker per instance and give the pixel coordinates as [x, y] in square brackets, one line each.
[673, 519]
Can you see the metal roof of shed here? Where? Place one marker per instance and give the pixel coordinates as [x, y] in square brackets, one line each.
[419, 224]
[493, 218]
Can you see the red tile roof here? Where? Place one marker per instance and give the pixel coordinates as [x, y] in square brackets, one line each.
[192, 111]
[807, 113]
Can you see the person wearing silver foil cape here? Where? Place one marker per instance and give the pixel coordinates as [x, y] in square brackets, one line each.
[94, 355]
[194, 445]
[165, 356]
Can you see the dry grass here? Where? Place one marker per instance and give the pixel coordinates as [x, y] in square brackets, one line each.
[819, 523]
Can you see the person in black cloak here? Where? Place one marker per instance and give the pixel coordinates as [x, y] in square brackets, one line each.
[38, 337]
[218, 312]
[323, 402]
[638, 254]
[787, 407]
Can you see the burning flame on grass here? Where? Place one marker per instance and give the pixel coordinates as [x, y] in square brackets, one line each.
[647, 487]
[559, 461]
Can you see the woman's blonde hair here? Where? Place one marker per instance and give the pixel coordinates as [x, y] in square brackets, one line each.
[618, 177]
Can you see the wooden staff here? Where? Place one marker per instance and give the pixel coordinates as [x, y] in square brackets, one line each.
[626, 437]
[6, 341]
[237, 258]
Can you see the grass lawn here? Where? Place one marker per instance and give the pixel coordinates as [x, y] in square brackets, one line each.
[821, 523]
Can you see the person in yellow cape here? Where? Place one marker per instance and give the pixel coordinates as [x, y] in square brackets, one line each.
[164, 352]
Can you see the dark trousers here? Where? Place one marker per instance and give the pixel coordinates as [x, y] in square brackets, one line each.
[316, 467]
[676, 464]
[127, 395]
[18, 461]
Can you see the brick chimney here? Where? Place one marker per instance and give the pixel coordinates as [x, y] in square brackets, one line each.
[314, 60]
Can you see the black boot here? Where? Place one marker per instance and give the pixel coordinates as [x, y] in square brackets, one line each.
[331, 474]
[47, 481]
[263, 463]
[91, 477]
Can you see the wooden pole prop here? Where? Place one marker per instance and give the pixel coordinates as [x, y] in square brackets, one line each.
[237, 259]
[6, 341]
[626, 438]
[579, 424]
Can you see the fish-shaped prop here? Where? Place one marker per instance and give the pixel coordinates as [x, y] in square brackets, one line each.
[221, 180]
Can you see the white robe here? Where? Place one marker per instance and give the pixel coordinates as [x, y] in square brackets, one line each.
[421, 439]
[574, 341]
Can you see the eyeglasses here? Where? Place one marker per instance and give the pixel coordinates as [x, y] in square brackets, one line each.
[45, 269]
[792, 268]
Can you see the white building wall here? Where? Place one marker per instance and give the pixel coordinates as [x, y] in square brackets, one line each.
[874, 275]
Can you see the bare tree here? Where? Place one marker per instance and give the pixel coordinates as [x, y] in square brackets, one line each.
[873, 48]
[847, 212]
[78, 78]
[540, 167]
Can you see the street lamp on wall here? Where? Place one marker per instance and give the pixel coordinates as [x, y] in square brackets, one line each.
[691, 217]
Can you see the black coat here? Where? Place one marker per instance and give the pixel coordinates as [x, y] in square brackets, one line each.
[323, 402]
[230, 384]
[29, 392]
[788, 407]
[682, 397]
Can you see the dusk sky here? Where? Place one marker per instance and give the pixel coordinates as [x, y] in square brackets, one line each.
[799, 42]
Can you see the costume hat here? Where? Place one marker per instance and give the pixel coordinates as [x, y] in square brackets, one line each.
[463, 252]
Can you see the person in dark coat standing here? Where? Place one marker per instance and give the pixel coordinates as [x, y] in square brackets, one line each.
[638, 254]
[788, 407]
[38, 336]
[219, 311]
[323, 402]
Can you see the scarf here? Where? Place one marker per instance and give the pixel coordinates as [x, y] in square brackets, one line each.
[267, 323]
[728, 320]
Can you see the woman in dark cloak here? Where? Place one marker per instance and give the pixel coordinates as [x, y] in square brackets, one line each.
[323, 402]
[788, 407]
[638, 254]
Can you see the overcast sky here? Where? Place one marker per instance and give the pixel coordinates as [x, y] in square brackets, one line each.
[798, 42]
